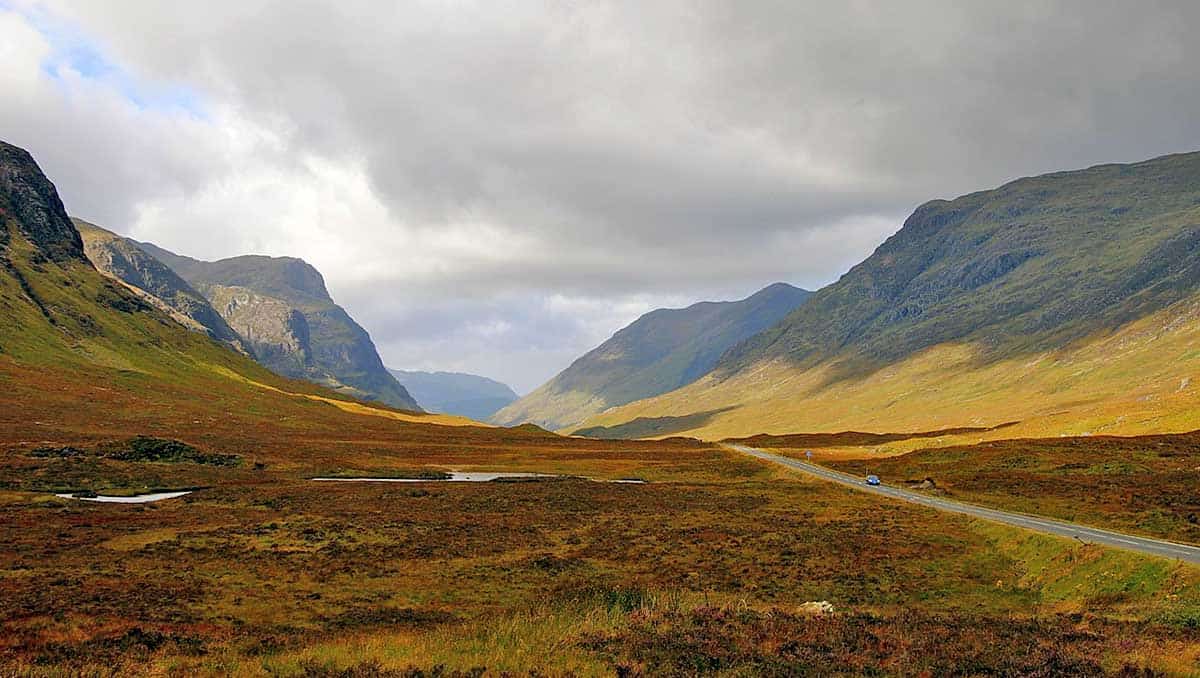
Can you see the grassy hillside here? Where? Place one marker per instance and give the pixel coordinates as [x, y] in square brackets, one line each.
[1065, 301]
[659, 352]
[1142, 378]
[281, 307]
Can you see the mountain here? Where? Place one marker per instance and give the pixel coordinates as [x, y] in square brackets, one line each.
[123, 260]
[60, 313]
[84, 356]
[657, 353]
[1034, 264]
[35, 223]
[281, 308]
[467, 395]
[938, 322]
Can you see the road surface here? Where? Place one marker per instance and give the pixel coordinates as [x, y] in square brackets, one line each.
[1091, 535]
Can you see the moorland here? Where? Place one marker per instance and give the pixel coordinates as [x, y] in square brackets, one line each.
[711, 563]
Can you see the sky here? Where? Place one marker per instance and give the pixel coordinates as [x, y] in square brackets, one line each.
[496, 187]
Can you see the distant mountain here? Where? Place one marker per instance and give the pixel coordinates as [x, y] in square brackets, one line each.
[467, 395]
[122, 259]
[280, 307]
[1020, 280]
[657, 353]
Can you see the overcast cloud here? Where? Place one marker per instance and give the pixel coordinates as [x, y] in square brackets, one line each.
[496, 187]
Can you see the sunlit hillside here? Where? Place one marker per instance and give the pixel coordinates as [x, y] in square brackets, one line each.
[1066, 302]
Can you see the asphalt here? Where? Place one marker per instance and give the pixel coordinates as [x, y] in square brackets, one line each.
[1090, 535]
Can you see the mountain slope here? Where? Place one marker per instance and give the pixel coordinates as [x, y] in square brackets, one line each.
[1034, 272]
[83, 357]
[59, 312]
[120, 258]
[659, 352]
[467, 395]
[55, 306]
[280, 306]
[1033, 264]
[34, 213]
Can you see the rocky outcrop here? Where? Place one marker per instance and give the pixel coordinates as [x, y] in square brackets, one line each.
[277, 332]
[282, 309]
[33, 202]
[123, 260]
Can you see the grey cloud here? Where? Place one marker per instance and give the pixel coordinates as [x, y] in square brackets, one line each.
[634, 150]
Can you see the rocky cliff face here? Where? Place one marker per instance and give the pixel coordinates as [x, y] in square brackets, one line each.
[278, 332]
[281, 308]
[121, 259]
[37, 211]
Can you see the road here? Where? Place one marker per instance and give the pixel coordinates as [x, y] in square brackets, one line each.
[1091, 535]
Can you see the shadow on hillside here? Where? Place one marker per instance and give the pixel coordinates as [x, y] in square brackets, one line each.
[854, 438]
[645, 427]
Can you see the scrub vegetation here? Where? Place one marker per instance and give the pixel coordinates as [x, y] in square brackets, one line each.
[1141, 484]
[714, 567]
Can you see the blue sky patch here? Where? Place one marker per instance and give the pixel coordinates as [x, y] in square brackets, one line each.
[74, 50]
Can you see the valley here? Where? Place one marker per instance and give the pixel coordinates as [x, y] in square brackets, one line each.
[187, 493]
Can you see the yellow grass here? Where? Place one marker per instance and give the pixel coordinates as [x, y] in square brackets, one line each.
[359, 408]
[1144, 377]
[137, 540]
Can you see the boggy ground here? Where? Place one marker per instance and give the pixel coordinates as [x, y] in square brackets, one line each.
[1142, 484]
[705, 569]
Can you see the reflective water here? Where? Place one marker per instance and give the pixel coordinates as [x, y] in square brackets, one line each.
[474, 477]
[456, 477]
[134, 499]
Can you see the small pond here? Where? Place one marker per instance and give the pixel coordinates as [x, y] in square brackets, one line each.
[476, 477]
[132, 499]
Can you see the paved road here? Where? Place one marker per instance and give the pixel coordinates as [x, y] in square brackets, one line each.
[1090, 535]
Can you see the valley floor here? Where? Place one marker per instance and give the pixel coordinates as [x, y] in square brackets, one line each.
[717, 564]
[712, 566]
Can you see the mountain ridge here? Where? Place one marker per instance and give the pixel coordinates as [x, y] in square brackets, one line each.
[921, 276]
[1036, 270]
[121, 259]
[58, 309]
[660, 351]
[282, 308]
